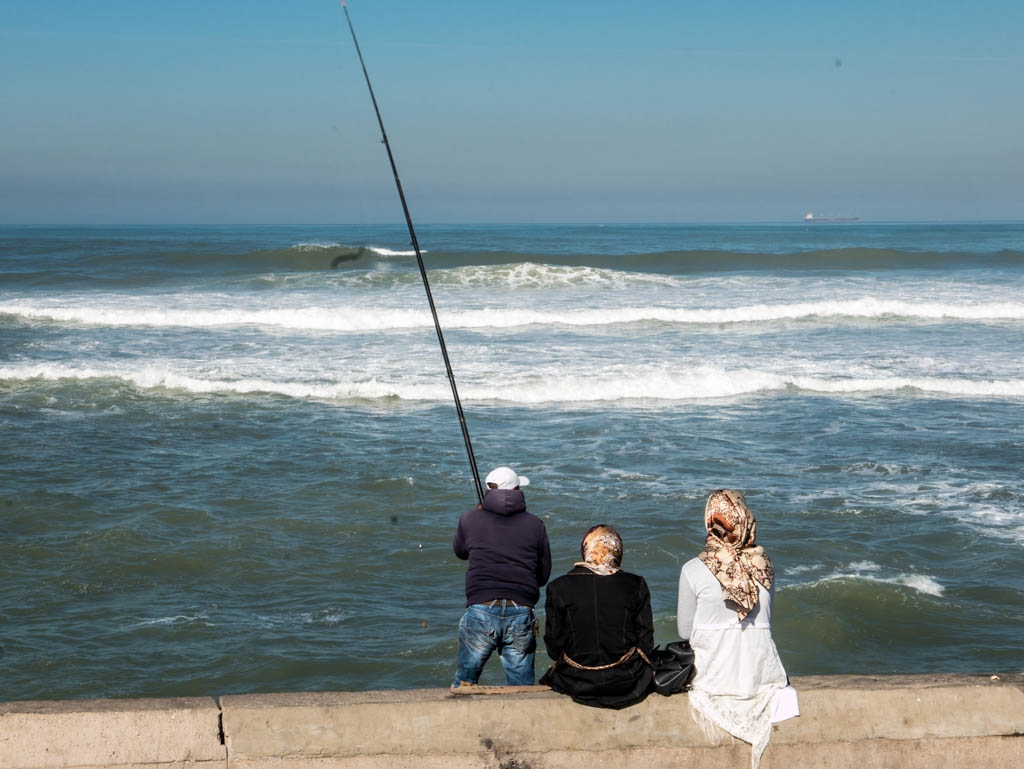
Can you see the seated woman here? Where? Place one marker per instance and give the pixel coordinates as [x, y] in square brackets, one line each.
[725, 610]
[599, 627]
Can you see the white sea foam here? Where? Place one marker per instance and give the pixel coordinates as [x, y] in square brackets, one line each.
[801, 568]
[323, 617]
[862, 566]
[935, 385]
[176, 311]
[303, 318]
[390, 252]
[994, 510]
[922, 583]
[314, 245]
[701, 383]
[640, 386]
[868, 571]
[177, 619]
[544, 276]
[1003, 518]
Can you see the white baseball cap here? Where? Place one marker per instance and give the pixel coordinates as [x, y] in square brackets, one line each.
[506, 478]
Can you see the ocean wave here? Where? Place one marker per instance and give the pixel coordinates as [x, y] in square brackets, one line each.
[676, 261]
[142, 313]
[696, 261]
[304, 318]
[302, 256]
[541, 276]
[868, 571]
[178, 619]
[157, 257]
[315, 246]
[323, 617]
[639, 387]
[391, 252]
[1012, 388]
[526, 275]
[1008, 520]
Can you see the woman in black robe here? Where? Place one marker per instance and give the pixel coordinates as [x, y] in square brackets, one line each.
[599, 628]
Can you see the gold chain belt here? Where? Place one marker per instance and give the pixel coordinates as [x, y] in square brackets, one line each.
[633, 650]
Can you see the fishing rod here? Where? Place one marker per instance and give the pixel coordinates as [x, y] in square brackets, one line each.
[419, 262]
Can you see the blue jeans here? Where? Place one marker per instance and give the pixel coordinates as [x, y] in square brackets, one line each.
[504, 627]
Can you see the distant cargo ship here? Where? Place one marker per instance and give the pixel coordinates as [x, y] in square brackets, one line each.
[812, 218]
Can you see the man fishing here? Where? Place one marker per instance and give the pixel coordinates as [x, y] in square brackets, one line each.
[509, 561]
[507, 547]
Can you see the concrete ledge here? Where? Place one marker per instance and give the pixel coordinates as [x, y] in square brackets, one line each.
[110, 733]
[855, 722]
[910, 722]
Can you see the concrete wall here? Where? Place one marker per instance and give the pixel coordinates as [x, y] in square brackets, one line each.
[965, 722]
[114, 733]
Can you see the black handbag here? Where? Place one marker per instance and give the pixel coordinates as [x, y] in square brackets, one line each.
[673, 668]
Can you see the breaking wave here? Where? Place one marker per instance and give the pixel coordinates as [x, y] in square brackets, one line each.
[355, 318]
[639, 387]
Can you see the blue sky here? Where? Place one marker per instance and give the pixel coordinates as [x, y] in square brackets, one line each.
[555, 111]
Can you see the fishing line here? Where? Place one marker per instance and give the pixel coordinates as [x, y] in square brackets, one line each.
[419, 262]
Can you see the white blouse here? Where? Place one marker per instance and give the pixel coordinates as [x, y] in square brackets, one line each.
[739, 675]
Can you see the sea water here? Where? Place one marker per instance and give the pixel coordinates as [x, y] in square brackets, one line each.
[230, 459]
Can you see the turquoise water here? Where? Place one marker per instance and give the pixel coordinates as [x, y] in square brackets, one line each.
[229, 466]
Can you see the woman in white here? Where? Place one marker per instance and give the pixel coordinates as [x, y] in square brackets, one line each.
[725, 610]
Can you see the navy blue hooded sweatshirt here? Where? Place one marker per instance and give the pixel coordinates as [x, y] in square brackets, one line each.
[507, 547]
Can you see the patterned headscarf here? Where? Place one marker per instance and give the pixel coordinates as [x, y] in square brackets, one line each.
[601, 550]
[730, 550]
